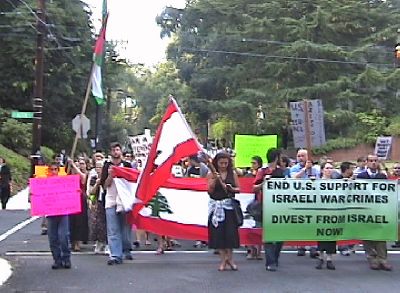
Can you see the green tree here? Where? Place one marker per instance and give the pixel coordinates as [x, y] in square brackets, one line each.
[68, 54]
[16, 136]
[272, 52]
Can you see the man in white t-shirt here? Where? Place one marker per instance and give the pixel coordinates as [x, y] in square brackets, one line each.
[119, 232]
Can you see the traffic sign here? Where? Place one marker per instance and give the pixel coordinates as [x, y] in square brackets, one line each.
[81, 125]
[21, 115]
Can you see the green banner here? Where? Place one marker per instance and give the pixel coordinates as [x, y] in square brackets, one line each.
[247, 146]
[329, 210]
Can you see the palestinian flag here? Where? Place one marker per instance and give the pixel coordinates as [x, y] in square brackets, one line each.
[98, 60]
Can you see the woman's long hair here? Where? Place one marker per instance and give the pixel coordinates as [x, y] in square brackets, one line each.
[223, 155]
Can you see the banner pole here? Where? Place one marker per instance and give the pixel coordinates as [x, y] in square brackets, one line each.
[83, 110]
[307, 128]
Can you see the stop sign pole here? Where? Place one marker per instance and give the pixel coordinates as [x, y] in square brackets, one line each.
[84, 106]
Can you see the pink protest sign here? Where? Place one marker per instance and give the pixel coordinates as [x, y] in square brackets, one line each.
[53, 196]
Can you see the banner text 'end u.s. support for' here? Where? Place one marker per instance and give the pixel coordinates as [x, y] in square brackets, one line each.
[327, 210]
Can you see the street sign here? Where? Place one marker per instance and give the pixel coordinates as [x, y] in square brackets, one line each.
[81, 125]
[21, 115]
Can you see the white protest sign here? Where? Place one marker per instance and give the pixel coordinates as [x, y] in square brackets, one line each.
[316, 123]
[141, 145]
[383, 146]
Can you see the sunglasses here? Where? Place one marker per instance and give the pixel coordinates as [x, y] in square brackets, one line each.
[53, 169]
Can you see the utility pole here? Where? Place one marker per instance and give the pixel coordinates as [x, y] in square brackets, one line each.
[38, 85]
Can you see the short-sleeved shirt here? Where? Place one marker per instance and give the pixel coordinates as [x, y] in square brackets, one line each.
[315, 172]
[276, 173]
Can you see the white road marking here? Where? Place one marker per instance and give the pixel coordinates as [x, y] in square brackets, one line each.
[5, 267]
[17, 228]
[5, 270]
[47, 253]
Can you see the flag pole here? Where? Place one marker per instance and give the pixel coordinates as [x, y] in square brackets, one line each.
[83, 110]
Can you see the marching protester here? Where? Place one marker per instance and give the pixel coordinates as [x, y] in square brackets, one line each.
[118, 229]
[376, 250]
[223, 233]
[346, 172]
[273, 170]
[130, 158]
[396, 176]
[97, 213]
[58, 233]
[304, 169]
[254, 251]
[328, 247]
[360, 165]
[197, 169]
[256, 163]
[5, 183]
[79, 222]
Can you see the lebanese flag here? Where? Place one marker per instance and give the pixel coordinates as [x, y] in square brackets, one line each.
[180, 209]
[173, 141]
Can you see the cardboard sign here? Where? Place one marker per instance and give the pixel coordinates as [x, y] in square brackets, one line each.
[316, 123]
[141, 145]
[247, 146]
[43, 171]
[54, 196]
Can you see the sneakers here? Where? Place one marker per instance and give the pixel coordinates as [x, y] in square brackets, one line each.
[319, 264]
[301, 251]
[98, 249]
[345, 252]
[114, 261]
[67, 264]
[59, 265]
[330, 265]
[129, 257]
[107, 250]
[56, 266]
[385, 267]
[270, 268]
[374, 267]
[314, 252]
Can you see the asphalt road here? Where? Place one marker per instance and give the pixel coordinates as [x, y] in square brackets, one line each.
[177, 271]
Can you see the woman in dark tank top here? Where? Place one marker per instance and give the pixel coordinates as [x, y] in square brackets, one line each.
[223, 230]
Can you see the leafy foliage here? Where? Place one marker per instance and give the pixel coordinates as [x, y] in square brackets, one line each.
[272, 52]
[66, 70]
[334, 144]
[20, 167]
[16, 135]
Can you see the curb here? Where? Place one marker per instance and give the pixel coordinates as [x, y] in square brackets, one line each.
[5, 271]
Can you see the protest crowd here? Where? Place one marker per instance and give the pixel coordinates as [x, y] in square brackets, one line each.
[105, 225]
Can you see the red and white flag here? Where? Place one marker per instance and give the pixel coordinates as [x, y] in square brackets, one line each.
[173, 141]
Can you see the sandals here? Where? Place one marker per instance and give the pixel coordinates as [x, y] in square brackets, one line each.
[232, 266]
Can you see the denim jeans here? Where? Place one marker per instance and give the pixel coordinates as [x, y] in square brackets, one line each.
[58, 233]
[119, 234]
[272, 252]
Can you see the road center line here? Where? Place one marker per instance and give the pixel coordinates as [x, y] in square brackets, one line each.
[17, 228]
[47, 253]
